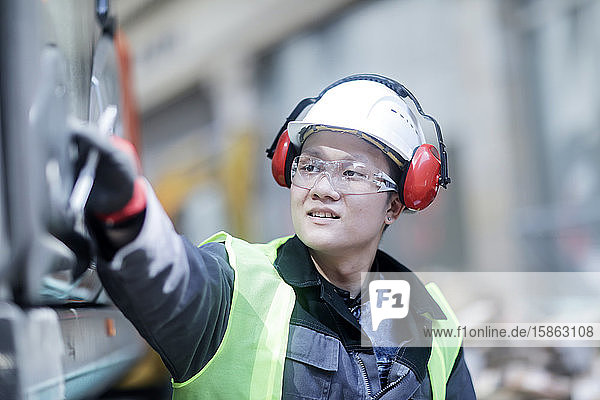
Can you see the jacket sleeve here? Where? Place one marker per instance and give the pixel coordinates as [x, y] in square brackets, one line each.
[177, 295]
[460, 386]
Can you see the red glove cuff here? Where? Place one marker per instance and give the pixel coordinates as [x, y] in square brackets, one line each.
[136, 205]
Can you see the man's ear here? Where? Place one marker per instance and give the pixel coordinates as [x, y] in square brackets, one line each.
[394, 209]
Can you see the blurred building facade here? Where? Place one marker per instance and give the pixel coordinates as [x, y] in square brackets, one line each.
[512, 83]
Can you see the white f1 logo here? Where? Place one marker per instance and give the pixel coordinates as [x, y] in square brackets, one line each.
[389, 300]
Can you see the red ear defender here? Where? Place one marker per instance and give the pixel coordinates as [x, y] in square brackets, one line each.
[422, 178]
[282, 160]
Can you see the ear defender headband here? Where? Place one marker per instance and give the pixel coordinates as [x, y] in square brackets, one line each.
[427, 171]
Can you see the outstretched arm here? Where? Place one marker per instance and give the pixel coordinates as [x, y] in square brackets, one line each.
[177, 295]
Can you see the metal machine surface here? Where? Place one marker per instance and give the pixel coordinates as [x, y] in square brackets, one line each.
[60, 337]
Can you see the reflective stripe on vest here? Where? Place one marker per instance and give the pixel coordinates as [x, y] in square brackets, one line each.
[249, 361]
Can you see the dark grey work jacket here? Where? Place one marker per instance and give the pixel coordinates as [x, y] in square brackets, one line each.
[178, 296]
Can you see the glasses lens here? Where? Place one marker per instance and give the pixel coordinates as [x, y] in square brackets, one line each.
[353, 177]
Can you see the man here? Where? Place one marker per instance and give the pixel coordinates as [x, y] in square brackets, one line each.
[282, 320]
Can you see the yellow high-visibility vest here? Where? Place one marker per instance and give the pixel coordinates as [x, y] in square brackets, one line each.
[258, 327]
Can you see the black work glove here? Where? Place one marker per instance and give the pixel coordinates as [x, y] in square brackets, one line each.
[118, 192]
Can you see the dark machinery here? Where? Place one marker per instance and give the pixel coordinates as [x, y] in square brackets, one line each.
[60, 337]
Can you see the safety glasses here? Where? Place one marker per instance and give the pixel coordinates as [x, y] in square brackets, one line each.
[345, 176]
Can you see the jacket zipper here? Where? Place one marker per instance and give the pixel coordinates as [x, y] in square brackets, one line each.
[363, 371]
[387, 388]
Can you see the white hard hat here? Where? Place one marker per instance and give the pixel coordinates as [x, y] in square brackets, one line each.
[364, 108]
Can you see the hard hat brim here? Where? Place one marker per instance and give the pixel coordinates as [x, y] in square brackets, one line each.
[299, 131]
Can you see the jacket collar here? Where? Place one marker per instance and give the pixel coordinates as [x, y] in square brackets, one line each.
[297, 269]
